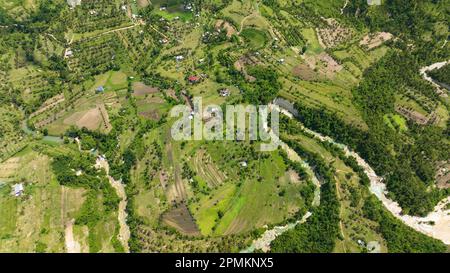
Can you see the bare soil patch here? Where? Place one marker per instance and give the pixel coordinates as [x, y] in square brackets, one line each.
[181, 219]
[91, 119]
[374, 40]
[293, 176]
[72, 246]
[171, 93]
[221, 24]
[142, 3]
[176, 191]
[152, 114]
[247, 60]
[412, 115]
[140, 89]
[443, 175]
[9, 167]
[324, 64]
[304, 72]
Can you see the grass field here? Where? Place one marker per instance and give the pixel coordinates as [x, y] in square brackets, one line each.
[333, 97]
[227, 199]
[356, 60]
[313, 46]
[237, 11]
[251, 197]
[255, 38]
[36, 221]
[90, 109]
[396, 122]
[172, 10]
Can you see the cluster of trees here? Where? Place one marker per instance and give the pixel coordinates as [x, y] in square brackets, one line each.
[77, 170]
[122, 169]
[91, 214]
[396, 16]
[156, 80]
[399, 237]
[5, 19]
[213, 37]
[441, 75]
[47, 11]
[319, 233]
[271, 3]
[349, 161]
[191, 175]
[94, 140]
[292, 127]
[121, 163]
[108, 15]
[23, 39]
[406, 159]
[213, 5]
[265, 87]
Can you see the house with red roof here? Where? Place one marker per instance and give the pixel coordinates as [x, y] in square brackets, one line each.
[194, 79]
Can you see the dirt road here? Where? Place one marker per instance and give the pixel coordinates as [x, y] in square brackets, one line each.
[72, 246]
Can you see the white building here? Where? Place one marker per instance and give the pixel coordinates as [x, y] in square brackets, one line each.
[73, 3]
[18, 189]
[224, 92]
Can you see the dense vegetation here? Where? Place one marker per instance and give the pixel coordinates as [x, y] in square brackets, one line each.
[264, 89]
[441, 75]
[79, 171]
[319, 233]
[408, 168]
[399, 237]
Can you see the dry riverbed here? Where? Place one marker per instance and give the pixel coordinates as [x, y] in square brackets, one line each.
[124, 232]
[436, 224]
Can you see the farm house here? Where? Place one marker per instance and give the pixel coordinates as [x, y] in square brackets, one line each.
[18, 189]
